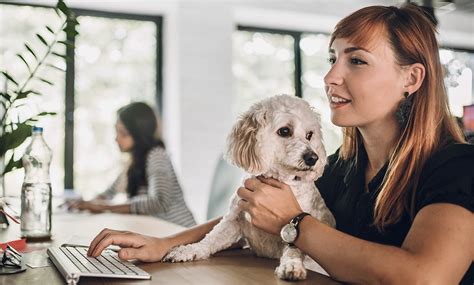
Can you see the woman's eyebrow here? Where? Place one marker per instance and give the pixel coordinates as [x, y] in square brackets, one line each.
[349, 50]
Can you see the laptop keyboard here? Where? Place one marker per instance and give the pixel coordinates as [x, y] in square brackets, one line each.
[108, 262]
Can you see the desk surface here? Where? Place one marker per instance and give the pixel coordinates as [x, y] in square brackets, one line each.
[228, 267]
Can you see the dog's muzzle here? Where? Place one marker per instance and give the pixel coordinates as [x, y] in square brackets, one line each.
[310, 158]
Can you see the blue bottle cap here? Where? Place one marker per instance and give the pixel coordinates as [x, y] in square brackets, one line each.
[37, 129]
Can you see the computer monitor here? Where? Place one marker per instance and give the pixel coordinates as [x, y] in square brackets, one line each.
[468, 118]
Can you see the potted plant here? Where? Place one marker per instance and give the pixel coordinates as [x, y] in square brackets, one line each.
[16, 92]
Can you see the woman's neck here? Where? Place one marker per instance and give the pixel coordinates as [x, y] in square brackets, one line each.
[379, 142]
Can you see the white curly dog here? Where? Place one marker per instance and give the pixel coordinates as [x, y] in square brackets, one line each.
[279, 137]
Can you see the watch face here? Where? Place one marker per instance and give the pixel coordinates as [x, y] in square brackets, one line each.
[288, 233]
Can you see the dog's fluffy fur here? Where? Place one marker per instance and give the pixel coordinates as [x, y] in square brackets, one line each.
[255, 145]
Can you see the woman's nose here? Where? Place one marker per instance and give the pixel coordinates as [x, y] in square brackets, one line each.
[334, 76]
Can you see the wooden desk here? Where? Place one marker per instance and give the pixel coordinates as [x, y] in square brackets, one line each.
[228, 267]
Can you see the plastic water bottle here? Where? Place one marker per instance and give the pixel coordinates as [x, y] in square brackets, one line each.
[36, 190]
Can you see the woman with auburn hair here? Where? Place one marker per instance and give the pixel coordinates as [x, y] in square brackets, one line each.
[401, 184]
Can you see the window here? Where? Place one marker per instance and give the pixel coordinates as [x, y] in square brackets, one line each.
[262, 67]
[270, 62]
[115, 64]
[117, 60]
[459, 69]
[314, 58]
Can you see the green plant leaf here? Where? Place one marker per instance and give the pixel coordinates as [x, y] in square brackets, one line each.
[46, 114]
[5, 95]
[70, 31]
[55, 67]
[71, 23]
[23, 94]
[19, 105]
[46, 81]
[24, 60]
[15, 138]
[68, 44]
[57, 11]
[7, 76]
[72, 20]
[61, 6]
[12, 165]
[42, 39]
[31, 51]
[50, 30]
[35, 117]
[60, 55]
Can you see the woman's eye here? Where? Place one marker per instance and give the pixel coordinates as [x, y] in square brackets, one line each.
[284, 132]
[309, 135]
[332, 60]
[357, 61]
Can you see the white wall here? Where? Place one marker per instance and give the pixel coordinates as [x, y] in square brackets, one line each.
[198, 67]
[206, 91]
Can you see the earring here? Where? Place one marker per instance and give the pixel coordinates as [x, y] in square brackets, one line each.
[404, 109]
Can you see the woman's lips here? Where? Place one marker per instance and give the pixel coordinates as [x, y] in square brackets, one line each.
[337, 101]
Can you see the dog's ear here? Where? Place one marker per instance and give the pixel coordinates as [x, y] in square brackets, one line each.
[243, 148]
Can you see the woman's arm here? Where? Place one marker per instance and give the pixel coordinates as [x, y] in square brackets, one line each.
[120, 208]
[437, 250]
[99, 204]
[119, 183]
[146, 248]
[160, 180]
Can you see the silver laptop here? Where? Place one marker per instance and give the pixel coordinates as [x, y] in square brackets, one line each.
[73, 263]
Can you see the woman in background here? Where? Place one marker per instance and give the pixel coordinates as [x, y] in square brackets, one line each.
[149, 181]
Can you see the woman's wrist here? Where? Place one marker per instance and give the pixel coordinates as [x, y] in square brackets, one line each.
[170, 241]
[166, 242]
[308, 222]
[121, 208]
[191, 235]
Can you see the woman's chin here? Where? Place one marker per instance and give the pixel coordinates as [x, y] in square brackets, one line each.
[124, 149]
[340, 122]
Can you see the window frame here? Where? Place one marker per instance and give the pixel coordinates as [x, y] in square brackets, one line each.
[296, 35]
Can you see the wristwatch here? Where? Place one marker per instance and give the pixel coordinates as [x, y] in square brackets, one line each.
[289, 233]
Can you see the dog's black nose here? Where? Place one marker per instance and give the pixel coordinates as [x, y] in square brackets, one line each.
[310, 158]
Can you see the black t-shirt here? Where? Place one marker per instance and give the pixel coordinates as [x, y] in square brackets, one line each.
[447, 177]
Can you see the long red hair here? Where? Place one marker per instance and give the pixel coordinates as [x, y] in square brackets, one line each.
[412, 36]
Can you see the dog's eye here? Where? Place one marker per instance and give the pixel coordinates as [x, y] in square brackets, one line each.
[284, 132]
[309, 135]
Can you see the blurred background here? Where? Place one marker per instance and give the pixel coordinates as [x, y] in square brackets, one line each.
[200, 64]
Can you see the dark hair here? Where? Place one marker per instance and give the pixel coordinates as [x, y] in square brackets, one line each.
[140, 121]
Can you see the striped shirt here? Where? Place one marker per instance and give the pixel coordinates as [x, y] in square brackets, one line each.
[163, 198]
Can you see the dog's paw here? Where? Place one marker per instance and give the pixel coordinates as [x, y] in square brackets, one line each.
[185, 253]
[292, 270]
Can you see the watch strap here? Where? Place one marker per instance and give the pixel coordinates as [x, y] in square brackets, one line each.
[296, 222]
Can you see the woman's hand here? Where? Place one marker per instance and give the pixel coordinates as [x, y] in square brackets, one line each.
[134, 246]
[270, 203]
[94, 206]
